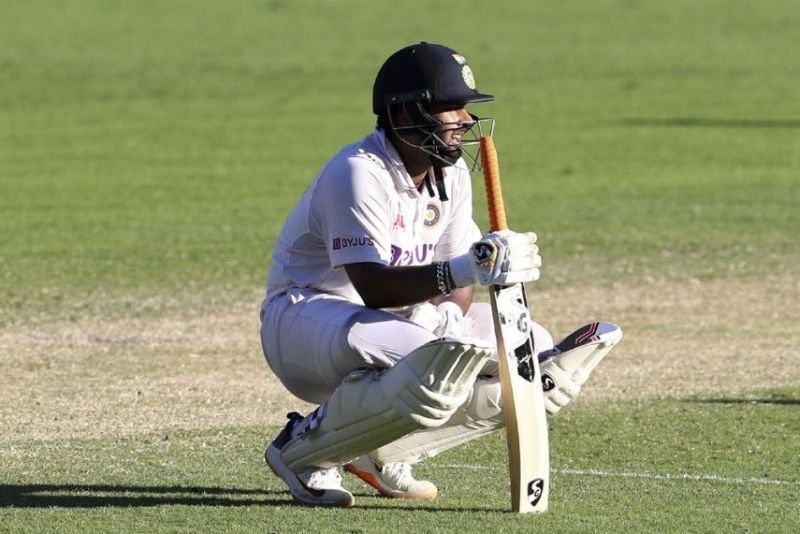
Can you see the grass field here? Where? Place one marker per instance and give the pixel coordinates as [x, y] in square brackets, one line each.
[149, 152]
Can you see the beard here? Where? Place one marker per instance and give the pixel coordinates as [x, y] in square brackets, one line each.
[446, 155]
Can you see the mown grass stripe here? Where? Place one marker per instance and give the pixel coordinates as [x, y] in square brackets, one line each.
[645, 475]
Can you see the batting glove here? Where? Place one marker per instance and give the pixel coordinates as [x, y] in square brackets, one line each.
[425, 315]
[444, 320]
[500, 258]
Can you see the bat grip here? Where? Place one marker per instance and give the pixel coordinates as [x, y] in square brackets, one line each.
[491, 178]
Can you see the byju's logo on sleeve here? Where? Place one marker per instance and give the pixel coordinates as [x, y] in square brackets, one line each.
[348, 242]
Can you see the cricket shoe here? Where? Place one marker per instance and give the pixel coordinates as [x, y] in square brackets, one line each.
[392, 480]
[313, 486]
[568, 365]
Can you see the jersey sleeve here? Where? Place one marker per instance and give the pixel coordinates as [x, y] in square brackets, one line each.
[461, 230]
[354, 215]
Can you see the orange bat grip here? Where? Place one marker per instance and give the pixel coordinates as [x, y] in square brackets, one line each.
[491, 178]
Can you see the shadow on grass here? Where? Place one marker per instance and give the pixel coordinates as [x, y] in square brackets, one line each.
[683, 122]
[746, 401]
[106, 495]
[99, 495]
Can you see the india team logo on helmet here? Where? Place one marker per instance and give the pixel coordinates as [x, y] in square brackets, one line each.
[469, 78]
[466, 71]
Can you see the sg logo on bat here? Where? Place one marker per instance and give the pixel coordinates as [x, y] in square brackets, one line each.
[535, 490]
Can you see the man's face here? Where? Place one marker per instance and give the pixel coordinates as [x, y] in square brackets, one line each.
[436, 133]
[454, 118]
[455, 122]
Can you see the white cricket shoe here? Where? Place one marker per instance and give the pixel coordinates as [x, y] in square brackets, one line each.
[392, 480]
[314, 486]
[568, 365]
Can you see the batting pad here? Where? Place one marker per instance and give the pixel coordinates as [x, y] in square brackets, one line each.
[481, 414]
[570, 363]
[567, 367]
[371, 408]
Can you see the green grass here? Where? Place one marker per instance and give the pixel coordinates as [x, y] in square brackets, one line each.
[159, 145]
[616, 467]
[149, 152]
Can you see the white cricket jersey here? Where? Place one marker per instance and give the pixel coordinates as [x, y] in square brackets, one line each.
[364, 207]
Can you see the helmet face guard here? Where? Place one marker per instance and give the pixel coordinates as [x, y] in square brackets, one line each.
[425, 133]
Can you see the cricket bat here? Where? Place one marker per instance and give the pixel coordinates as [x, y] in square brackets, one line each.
[520, 377]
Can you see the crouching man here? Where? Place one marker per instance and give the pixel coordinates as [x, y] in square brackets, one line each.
[369, 310]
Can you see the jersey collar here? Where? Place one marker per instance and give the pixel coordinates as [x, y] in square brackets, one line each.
[402, 179]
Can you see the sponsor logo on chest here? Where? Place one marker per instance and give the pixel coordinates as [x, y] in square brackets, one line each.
[420, 254]
[414, 237]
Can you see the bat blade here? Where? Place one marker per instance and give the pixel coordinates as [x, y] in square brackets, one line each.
[520, 376]
[523, 401]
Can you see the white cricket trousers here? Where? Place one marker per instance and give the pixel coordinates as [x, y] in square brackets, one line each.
[313, 340]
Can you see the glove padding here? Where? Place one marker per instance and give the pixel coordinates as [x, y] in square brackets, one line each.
[499, 258]
[444, 320]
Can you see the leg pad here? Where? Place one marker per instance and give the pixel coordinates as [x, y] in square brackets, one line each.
[370, 408]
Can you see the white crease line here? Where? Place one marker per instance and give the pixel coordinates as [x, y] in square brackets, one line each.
[650, 476]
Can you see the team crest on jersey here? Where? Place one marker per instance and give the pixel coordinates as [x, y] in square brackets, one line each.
[432, 214]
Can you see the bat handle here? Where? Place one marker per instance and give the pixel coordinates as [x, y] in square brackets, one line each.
[491, 178]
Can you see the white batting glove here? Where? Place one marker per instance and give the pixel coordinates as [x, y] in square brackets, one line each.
[451, 320]
[444, 320]
[425, 315]
[499, 258]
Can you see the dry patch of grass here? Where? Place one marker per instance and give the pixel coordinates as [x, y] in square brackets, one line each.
[111, 376]
[692, 338]
[101, 377]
